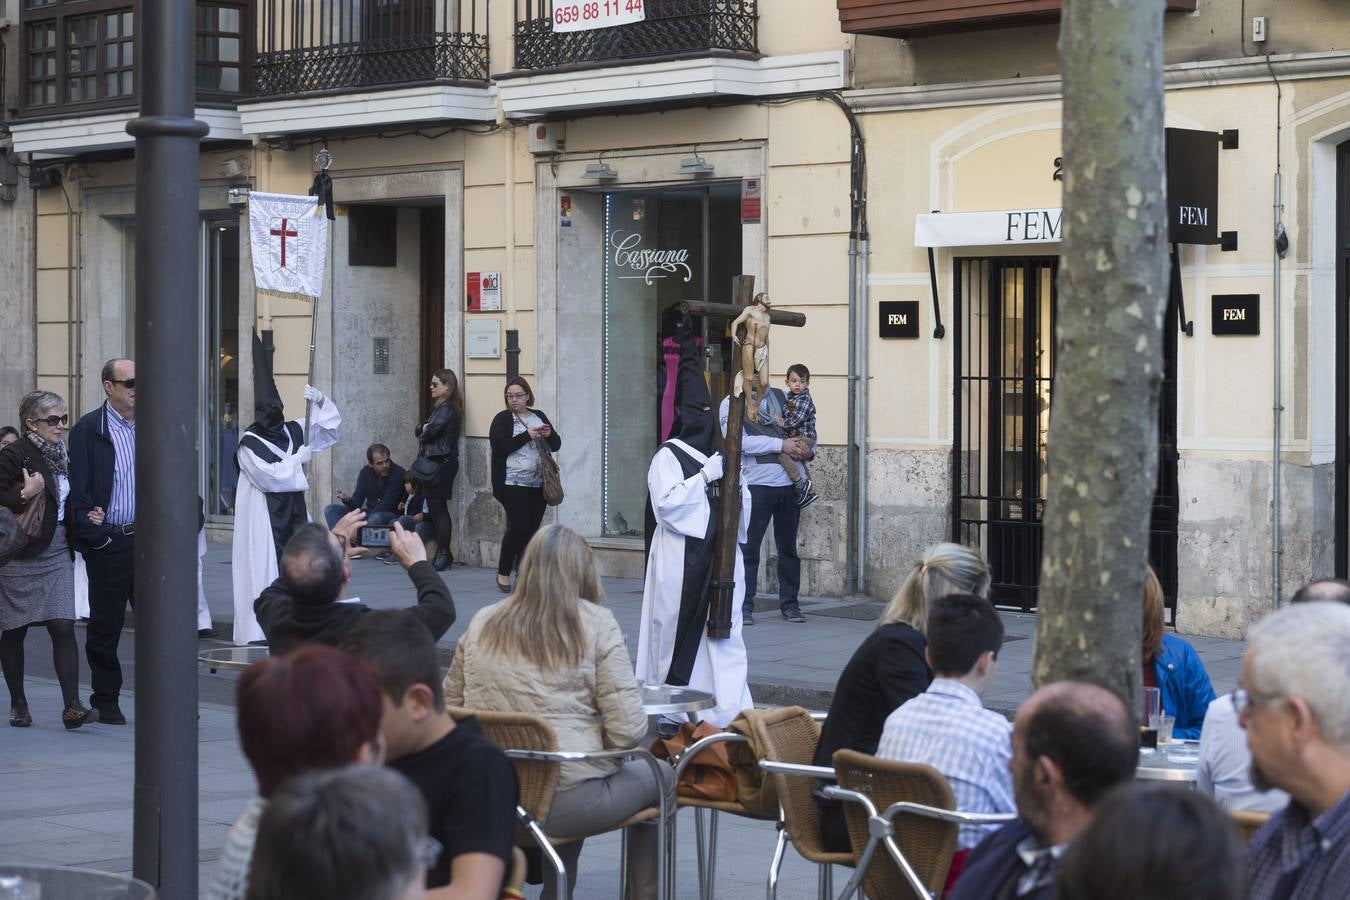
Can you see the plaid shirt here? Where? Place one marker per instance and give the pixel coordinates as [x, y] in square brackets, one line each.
[948, 728]
[1292, 858]
[799, 415]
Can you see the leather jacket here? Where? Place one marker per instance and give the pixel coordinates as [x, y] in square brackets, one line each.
[440, 433]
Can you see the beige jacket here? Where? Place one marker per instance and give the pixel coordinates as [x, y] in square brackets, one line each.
[595, 706]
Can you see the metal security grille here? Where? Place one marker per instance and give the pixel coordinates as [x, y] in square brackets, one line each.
[1004, 377]
[335, 45]
[671, 28]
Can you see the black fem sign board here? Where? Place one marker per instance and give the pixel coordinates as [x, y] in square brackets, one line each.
[1192, 186]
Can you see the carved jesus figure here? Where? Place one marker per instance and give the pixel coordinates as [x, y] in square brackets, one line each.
[754, 351]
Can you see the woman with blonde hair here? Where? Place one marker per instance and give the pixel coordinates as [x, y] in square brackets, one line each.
[1172, 665]
[889, 667]
[551, 650]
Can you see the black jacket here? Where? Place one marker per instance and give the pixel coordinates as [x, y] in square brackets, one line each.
[374, 495]
[287, 625]
[13, 460]
[993, 867]
[504, 443]
[92, 460]
[439, 435]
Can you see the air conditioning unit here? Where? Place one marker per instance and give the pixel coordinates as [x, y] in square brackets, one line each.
[548, 137]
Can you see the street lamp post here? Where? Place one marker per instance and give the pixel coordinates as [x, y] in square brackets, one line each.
[164, 851]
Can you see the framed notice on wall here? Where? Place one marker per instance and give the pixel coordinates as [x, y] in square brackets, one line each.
[483, 339]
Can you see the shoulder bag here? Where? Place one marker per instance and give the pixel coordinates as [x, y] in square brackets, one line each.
[709, 775]
[27, 524]
[424, 470]
[548, 470]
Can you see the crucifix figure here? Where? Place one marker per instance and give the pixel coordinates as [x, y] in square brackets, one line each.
[754, 350]
[283, 233]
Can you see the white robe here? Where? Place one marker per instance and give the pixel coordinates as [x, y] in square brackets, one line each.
[682, 510]
[253, 558]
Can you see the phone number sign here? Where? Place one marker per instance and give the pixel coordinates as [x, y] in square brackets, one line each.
[584, 15]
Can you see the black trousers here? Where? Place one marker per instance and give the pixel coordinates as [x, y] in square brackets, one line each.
[112, 574]
[524, 511]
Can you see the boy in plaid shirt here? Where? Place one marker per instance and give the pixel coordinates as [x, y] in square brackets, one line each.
[799, 420]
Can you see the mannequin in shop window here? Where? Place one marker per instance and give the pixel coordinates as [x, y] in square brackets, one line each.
[754, 351]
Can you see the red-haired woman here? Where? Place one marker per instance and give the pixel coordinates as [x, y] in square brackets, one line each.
[315, 708]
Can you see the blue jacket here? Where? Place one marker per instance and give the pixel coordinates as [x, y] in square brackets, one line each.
[993, 867]
[1185, 687]
[92, 459]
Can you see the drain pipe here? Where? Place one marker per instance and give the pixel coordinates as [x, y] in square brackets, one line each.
[851, 534]
[861, 436]
[1281, 246]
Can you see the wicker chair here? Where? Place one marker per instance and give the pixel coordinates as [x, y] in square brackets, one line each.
[1248, 823]
[919, 848]
[707, 853]
[529, 742]
[787, 737]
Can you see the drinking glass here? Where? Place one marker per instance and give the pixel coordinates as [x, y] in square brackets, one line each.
[1165, 724]
[1148, 728]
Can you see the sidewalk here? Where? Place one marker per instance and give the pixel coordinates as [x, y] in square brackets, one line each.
[789, 664]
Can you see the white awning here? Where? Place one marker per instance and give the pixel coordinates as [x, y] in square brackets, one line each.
[1004, 227]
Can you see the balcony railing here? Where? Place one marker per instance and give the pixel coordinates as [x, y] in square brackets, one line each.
[334, 46]
[671, 28]
[79, 56]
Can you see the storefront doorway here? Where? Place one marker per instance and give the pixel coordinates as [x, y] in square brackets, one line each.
[661, 246]
[219, 385]
[1003, 336]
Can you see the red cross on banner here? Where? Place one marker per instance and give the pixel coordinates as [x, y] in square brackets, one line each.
[283, 234]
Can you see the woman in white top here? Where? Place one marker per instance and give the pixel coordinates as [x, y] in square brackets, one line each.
[37, 585]
[517, 481]
[551, 650]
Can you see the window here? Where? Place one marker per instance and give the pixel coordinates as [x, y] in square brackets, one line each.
[41, 64]
[220, 48]
[661, 248]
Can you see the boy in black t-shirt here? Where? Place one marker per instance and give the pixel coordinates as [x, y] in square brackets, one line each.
[469, 785]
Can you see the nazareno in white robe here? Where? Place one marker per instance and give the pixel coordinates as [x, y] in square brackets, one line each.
[254, 555]
[682, 509]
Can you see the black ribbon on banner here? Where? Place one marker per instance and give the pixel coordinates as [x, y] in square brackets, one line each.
[323, 189]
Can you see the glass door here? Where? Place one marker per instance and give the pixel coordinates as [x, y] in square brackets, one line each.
[219, 386]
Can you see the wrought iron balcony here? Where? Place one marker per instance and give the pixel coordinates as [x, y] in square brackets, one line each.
[912, 18]
[671, 28]
[79, 56]
[335, 46]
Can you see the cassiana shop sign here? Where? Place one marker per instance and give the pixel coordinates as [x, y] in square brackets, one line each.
[648, 263]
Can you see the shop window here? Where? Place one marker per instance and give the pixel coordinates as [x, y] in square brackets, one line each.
[661, 247]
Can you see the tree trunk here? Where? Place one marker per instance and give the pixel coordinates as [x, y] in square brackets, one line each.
[1113, 277]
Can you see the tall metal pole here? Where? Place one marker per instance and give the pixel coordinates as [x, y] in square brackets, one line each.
[164, 849]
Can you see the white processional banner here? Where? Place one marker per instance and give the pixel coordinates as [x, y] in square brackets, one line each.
[288, 234]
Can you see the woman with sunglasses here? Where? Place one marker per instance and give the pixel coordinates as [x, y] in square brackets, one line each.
[37, 586]
[517, 474]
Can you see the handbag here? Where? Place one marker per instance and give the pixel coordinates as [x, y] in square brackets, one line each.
[708, 776]
[27, 526]
[548, 470]
[424, 470]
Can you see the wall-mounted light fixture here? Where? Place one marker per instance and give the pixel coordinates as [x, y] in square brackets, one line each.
[600, 171]
[696, 165]
[238, 195]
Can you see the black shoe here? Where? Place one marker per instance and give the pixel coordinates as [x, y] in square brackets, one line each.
[110, 714]
[203, 633]
[805, 500]
[747, 617]
[793, 614]
[384, 556]
[19, 716]
[76, 715]
[504, 588]
[441, 562]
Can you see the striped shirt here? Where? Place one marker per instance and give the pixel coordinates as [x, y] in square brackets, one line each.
[122, 507]
[948, 728]
[1293, 858]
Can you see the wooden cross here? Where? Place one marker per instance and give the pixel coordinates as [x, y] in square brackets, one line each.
[723, 586]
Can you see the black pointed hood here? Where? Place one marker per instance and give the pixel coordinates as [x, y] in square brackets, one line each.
[698, 420]
[269, 417]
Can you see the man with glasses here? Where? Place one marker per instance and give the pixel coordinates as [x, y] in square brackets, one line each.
[1293, 703]
[1225, 760]
[103, 481]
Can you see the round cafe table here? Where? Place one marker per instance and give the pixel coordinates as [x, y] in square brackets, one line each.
[231, 659]
[660, 698]
[64, 883]
[1177, 762]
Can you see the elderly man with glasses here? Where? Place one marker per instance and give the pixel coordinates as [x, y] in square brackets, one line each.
[1294, 706]
[103, 482]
